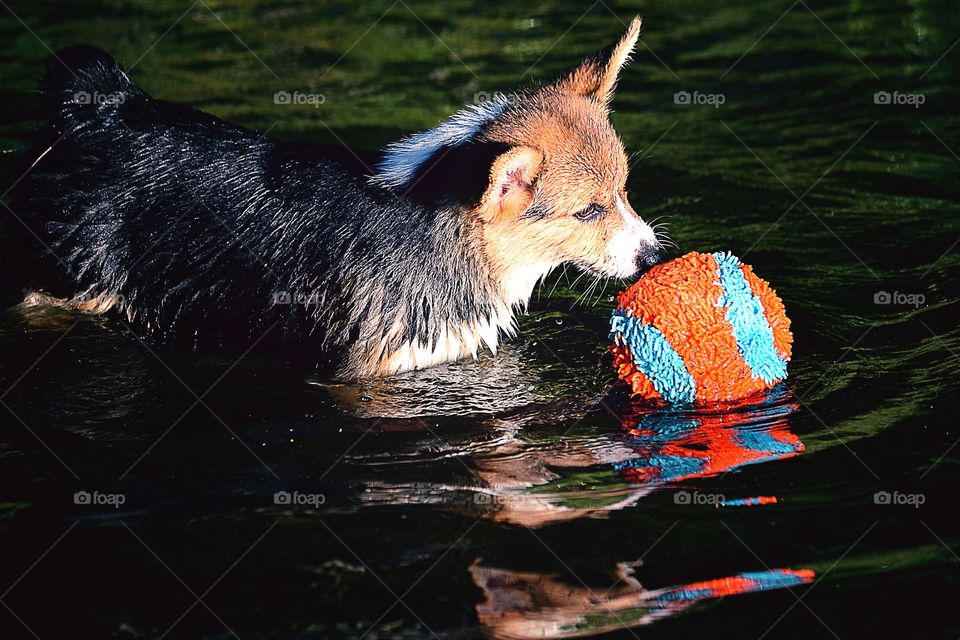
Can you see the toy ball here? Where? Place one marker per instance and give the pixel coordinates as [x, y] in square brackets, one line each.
[700, 328]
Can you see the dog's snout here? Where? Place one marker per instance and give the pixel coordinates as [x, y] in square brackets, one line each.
[649, 257]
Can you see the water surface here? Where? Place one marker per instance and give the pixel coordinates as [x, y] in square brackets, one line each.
[524, 495]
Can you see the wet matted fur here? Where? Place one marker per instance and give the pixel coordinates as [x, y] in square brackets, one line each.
[202, 232]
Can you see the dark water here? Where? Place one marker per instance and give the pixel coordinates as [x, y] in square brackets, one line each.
[523, 495]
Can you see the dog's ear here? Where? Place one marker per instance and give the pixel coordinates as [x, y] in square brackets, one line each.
[511, 187]
[596, 77]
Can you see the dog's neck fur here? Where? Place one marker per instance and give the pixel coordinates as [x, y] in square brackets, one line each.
[445, 311]
[516, 281]
[483, 287]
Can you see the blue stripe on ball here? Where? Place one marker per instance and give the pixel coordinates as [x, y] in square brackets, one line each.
[653, 355]
[750, 327]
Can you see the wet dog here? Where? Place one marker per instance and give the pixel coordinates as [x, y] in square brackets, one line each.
[199, 230]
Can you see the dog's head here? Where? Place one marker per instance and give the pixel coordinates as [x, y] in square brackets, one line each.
[553, 188]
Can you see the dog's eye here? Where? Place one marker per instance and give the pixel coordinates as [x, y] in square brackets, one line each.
[593, 212]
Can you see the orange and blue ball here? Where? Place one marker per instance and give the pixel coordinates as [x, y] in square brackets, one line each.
[700, 328]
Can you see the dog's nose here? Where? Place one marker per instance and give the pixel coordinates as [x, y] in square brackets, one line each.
[649, 257]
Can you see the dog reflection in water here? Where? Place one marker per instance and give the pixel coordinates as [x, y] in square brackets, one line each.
[539, 605]
[519, 478]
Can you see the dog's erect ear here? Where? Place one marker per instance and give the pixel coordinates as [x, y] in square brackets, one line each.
[596, 77]
[511, 187]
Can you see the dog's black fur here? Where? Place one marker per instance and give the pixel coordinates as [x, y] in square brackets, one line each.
[201, 225]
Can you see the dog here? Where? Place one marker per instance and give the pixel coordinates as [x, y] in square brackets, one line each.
[197, 230]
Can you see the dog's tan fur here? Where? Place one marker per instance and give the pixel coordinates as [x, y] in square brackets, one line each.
[564, 156]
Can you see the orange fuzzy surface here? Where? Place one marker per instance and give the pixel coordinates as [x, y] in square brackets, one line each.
[679, 298]
[638, 381]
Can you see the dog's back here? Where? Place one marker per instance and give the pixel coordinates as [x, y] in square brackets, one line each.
[192, 227]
